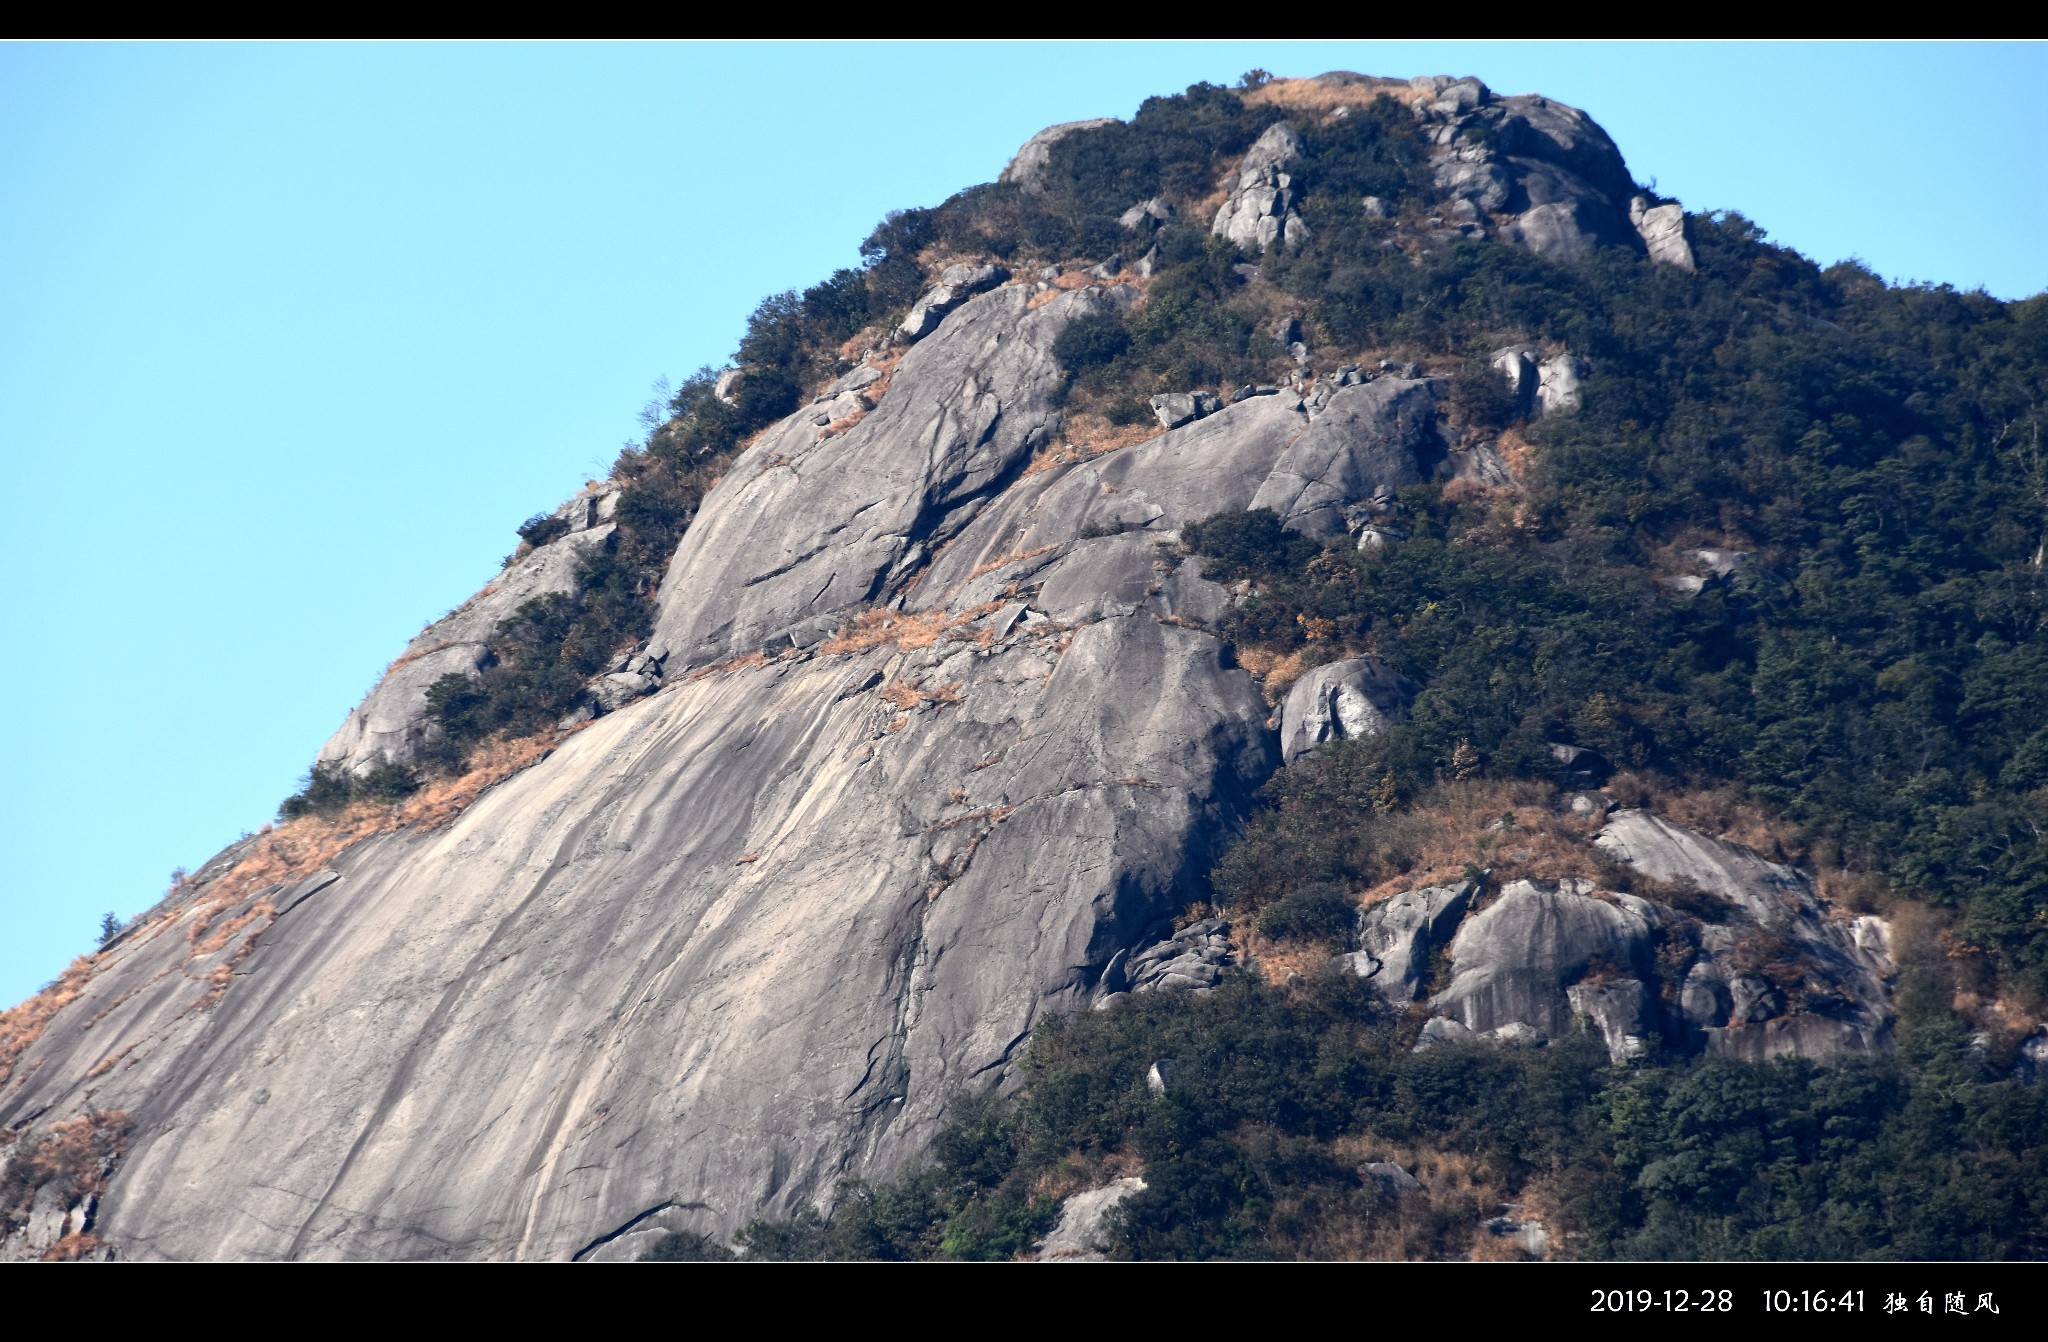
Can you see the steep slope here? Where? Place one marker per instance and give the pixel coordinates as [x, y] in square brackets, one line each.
[935, 729]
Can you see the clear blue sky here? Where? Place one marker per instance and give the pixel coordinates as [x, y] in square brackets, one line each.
[291, 337]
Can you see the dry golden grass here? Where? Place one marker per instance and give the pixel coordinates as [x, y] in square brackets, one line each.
[1074, 279]
[877, 628]
[1449, 829]
[1316, 97]
[1088, 436]
[752, 659]
[21, 1026]
[1440, 1221]
[1014, 557]
[1275, 673]
[861, 341]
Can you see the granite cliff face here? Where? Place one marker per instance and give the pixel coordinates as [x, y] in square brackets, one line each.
[932, 738]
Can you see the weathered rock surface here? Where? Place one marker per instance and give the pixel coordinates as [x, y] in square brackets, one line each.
[1527, 966]
[1514, 960]
[956, 285]
[1662, 229]
[390, 725]
[1354, 698]
[1080, 1235]
[1366, 439]
[1839, 1001]
[1192, 959]
[1259, 212]
[1395, 937]
[590, 1008]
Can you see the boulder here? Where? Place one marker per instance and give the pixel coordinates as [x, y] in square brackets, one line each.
[1147, 216]
[1080, 1236]
[1032, 158]
[2031, 1064]
[613, 691]
[956, 285]
[1705, 999]
[1391, 1179]
[1662, 229]
[1462, 95]
[1842, 1002]
[1622, 1010]
[1395, 937]
[1191, 959]
[1259, 212]
[1560, 231]
[1517, 367]
[1354, 698]
[1557, 384]
[1514, 960]
[1772, 894]
[1176, 408]
[1158, 1077]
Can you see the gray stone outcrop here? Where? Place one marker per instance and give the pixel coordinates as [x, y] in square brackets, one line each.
[1514, 960]
[1840, 999]
[1368, 439]
[957, 284]
[1347, 700]
[1395, 937]
[1192, 959]
[1081, 1234]
[1031, 160]
[1259, 213]
[1662, 229]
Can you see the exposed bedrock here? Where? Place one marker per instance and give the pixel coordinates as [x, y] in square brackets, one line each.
[1773, 973]
[740, 939]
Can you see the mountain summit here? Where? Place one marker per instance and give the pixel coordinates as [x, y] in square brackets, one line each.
[1306, 535]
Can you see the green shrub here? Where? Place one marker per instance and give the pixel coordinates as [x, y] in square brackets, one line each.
[1318, 913]
[686, 1246]
[1091, 340]
[541, 528]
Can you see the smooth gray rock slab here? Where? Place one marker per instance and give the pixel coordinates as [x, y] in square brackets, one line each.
[1391, 1178]
[1210, 466]
[1771, 893]
[1515, 959]
[1347, 700]
[1367, 438]
[801, 528]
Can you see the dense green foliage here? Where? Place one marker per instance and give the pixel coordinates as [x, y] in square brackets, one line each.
[1254, 1150]
[328, 789]
[1877, 670]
